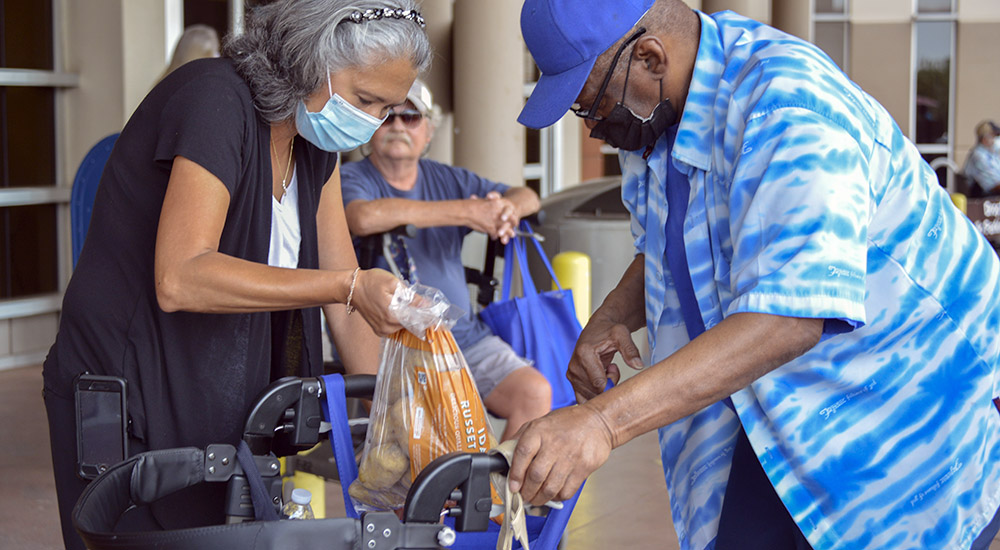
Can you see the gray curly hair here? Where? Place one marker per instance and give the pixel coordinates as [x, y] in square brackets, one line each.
[289, 47]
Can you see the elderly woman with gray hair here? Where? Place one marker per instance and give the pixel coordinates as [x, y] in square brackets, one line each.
[218, 232]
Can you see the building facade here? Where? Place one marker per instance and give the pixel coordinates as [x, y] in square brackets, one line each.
[72, 71]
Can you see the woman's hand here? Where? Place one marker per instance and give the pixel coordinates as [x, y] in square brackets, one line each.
[373, 290]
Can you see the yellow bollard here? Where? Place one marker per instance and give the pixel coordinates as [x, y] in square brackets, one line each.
[961, 201]
[573, 271]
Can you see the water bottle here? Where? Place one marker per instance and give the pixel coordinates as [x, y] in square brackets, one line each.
[298, 507]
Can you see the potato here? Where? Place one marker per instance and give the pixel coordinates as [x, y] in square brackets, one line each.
[383, 466]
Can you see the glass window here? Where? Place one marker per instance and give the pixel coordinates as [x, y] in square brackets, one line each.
[535, 185]
[935, 6]
[831, 37]
[214, 13]
[940, 171]
[532, 146]
[830, 30]
[831, 6]
[27, 131]
[933, 65]
[28, 261]
[27, 35]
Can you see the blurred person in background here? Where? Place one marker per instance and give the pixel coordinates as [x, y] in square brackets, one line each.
[197, 42]
[982, 167]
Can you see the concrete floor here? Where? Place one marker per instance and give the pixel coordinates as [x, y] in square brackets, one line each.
[605, 517]
[624, 504]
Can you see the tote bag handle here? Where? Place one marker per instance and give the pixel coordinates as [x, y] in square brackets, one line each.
[517, 247]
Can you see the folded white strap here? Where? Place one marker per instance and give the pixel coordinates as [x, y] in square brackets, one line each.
[514, 523]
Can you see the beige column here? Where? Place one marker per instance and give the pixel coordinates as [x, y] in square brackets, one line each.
[118, 47]
[488, 75]
[93, 49]
[759, 10]
[887, 80]
[144, 32]
[793, 17]
[439, 16]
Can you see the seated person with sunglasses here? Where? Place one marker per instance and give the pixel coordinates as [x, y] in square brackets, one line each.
[394, 186]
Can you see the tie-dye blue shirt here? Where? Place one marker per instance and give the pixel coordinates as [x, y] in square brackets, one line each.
[807, 201]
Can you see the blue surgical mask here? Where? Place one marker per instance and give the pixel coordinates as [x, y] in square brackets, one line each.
[340, 126]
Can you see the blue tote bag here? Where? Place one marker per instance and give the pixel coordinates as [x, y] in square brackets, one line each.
[541, 326]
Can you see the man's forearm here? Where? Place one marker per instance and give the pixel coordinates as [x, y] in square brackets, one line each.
[524, 199]
[381, 215]
[723, 360]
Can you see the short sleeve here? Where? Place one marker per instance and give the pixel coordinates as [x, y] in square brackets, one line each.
[473, 184]
[355, 184]
[799, 204]
[205, 121]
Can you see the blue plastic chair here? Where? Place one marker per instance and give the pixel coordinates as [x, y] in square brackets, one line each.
[544, 532]
[81, 202]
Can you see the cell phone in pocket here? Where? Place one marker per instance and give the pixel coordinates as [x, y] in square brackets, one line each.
[101, 423]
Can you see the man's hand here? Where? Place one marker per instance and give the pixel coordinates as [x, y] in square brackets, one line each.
[494, 215]
[591, 365]
[556, 453]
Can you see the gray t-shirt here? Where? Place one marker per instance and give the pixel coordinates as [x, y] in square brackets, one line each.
[436, 251]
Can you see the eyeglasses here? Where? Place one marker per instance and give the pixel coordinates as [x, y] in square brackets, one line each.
[410, 118]
[577, 109]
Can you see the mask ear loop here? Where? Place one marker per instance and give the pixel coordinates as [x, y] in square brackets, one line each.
[614, 63]
[329, 85]
[628, 70]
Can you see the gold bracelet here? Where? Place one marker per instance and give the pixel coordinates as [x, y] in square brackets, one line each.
[350, 294]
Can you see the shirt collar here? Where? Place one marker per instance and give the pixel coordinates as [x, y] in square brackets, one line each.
[696, 134]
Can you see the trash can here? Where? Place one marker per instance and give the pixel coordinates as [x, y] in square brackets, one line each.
[589, 218]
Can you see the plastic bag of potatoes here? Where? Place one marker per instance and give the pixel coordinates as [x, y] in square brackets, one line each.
[426, 404]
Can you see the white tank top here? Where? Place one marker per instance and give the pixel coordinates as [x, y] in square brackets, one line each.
[286, 234]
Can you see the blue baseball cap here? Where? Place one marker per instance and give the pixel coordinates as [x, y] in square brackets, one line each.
[565, 37]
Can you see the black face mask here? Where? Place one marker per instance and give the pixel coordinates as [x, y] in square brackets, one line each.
[626, 131]
[623, 128]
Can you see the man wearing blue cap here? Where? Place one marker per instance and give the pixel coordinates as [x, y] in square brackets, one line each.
[823, 323]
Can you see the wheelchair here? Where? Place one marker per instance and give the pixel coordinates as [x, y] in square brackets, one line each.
[287, 417]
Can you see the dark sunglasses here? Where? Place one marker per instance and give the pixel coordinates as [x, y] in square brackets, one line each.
[588, 113]
[410, 118]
